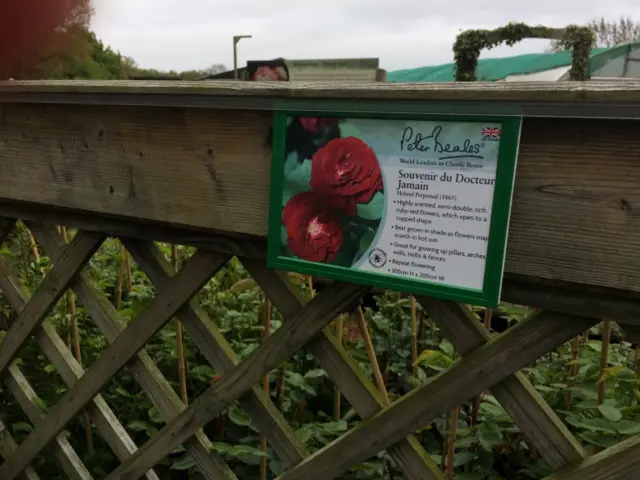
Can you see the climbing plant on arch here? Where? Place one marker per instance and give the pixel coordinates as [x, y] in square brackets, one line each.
[470, 43]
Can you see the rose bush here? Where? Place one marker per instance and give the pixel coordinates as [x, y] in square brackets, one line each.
[313, 226]
[346, 167]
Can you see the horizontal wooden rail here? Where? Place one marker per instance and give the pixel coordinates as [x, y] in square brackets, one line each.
[602, 99]
[612, 91]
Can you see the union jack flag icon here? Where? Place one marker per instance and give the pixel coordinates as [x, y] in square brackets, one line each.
[491, 133]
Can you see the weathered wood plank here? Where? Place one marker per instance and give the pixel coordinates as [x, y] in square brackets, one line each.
[8, 445]
[272, 352]
[359, 391]
[144, 370]
[205, 334]
[115, 166]
[241, 245]
[619, 91]
[553, 440]
[573, 299]
[186, 283]
[163, 164]
[27, 399]
[566, 208]
[620, 462]
[72, 260]
[477, 371]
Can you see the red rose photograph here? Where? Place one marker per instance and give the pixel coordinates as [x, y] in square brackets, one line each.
[348, 168]
[333, 194]
[314, 230]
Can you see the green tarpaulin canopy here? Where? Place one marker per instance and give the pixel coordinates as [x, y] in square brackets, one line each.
[493, 69]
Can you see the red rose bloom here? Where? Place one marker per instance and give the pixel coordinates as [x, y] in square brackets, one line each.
[315, 124]
[347, 167]
[314, 231]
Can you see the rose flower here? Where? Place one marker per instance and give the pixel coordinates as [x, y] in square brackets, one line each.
[312, 222]
[346, 167]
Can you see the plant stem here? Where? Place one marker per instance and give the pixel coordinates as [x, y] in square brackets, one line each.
[339, 329]
[604, 358]
[34, 248]
[182, 366]
[77, 351]
[129, 284]
[573, 368]
[488, 314]
[182, 370]
[604, 362]
[265, 386]
[280, 389]
[451, 443]
[120, 278]
[371, 353]
[338, 396]
[477, 400]
[414, 336]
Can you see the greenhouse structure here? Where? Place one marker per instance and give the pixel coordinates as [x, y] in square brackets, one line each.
[618, 62]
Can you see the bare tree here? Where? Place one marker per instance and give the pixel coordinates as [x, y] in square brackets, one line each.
[215, 68]
[130, 66]
[609, 33]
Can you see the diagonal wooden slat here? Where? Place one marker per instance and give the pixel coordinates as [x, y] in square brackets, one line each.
[620, 462]
[196, 272]
[144, 370]
[8, 446]
[361, 393]
[477, 371]
[553, 440]
[27, 399]
[69, 369]
[205, 334]
[78, 252]
[272, 352]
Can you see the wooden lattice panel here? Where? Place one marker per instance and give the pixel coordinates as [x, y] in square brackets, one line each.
[487, 363]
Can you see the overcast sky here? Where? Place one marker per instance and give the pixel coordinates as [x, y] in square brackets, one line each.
[194, 34]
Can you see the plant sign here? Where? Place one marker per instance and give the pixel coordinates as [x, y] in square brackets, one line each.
[418, 203]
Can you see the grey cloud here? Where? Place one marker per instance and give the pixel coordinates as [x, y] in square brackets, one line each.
[189, 34]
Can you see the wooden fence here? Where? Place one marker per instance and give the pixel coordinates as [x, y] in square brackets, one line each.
[187, 163]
